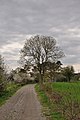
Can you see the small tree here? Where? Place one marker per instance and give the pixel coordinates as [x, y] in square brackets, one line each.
[52, 69]
[39, 50]
[68, 72]
[2, 74]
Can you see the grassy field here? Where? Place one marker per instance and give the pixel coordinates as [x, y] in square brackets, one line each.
[11, 88]
[62, 100]
[66, 89]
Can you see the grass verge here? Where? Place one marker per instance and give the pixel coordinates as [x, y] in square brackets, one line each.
[10, 89]
[48, 106]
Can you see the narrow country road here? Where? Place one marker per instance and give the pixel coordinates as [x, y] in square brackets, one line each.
[24, 105]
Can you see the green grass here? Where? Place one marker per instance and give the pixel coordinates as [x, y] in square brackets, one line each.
[48, 106]
[61, 99]
[68, 89]
[66, 97]
[10, 89]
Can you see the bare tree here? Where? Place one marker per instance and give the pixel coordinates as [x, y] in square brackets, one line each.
[39, 50]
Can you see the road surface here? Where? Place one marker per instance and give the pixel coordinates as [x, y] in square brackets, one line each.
[24, 105]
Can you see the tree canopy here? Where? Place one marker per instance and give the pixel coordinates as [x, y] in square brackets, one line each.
[68, 72]
[39, 50]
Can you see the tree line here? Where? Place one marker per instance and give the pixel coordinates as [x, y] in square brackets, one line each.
[43, 54]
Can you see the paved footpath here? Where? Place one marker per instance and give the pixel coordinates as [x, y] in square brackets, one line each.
[24, 105]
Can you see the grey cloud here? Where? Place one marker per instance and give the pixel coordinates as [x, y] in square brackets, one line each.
[19, 18]
[26, 13]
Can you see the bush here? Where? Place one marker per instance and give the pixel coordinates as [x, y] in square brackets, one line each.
[10, 89]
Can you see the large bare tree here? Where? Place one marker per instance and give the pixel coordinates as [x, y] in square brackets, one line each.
[41, 49]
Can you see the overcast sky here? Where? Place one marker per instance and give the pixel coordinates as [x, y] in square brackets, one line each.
[58, 18]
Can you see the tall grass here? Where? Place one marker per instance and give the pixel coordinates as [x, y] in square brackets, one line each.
[66, 98]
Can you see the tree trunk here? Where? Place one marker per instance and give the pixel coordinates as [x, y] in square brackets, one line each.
[40, 78]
